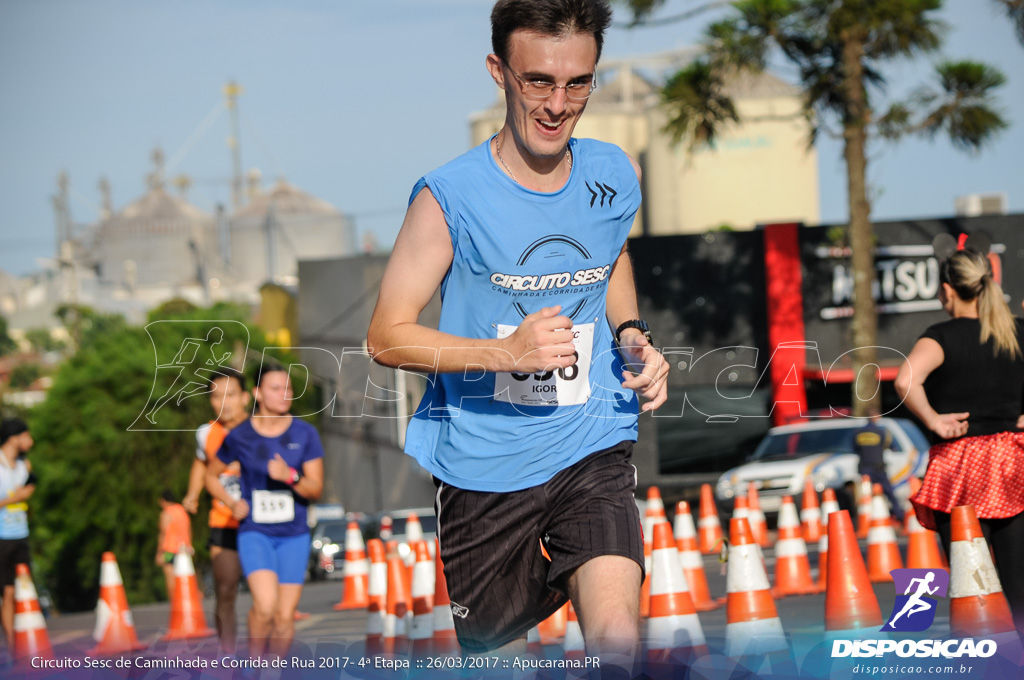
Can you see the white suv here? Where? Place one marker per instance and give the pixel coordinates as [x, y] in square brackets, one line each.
[822, 450]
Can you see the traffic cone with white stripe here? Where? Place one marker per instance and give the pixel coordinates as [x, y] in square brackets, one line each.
[115, 628]
[422, 632]
[758, 523]
[356, 593]
[691, 559]
[446, 642]
[709, 528]
[810, 514]
[977, 605]
[674, 633]
[922, 544]
[398, 619]
[188, 620]
[792, 567]
[829, 505]
[850, 602]
[377, 592]
[864, 504]
[741, 509]
[30, 637]
[654, 512]
[552, 629]
[883, 551]
[752, 621]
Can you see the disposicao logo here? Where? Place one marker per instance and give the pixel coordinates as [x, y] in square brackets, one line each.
[914, 611]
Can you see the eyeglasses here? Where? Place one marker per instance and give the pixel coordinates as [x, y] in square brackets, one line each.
[542, 89]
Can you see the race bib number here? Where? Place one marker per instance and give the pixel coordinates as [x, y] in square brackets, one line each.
[272, 507]
[562, 387]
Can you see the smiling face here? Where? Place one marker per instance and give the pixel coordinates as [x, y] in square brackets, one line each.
[542, 128]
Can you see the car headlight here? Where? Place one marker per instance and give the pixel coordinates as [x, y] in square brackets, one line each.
[824, 479]
[331, 549]
[724, 489]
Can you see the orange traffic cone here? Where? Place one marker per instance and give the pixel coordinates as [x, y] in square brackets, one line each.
[377, 591]
[115, 628]
[752, 621]
[810, 514]
[829, 505]
[850, 602]
[398, 619]
[741, 509]
[30, 636]
[445, 640]
[655, 505]
[691, 559]
[758, 523]
[356, 593]
[883, 551]
[977, 605]
[864, 504]
[187, 617]
[792, 567]
[422, 632]
[552, 629]
[653, 513]
[923, 550]
[709, 529]
[674, 632]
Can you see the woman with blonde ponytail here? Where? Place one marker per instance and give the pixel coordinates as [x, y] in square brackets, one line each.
[964, 379]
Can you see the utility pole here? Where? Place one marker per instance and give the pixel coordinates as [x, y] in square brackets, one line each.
[231, 92]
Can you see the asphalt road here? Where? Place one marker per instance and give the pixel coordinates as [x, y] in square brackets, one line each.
[335, 638]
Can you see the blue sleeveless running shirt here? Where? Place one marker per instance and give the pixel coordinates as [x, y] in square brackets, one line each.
[517, 251]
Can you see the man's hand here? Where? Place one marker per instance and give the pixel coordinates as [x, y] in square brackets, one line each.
[648, 370]
[191, 503]
[239, 509]
[950, 425]
[543, 342]
[278, 469]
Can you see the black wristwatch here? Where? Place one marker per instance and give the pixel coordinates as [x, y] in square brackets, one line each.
[638, 324]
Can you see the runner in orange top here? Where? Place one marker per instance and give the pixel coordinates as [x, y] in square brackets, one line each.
[175, 532]
[230, 402]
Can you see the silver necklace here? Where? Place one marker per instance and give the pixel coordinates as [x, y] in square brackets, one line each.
[497, 149]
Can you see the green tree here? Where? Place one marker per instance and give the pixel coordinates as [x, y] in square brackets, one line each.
[42, 341]
[99, 478]
[838, 48]
[24, 374]
[7, 345]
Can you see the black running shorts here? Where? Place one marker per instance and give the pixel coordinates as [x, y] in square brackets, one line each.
[223, 538]
[12, 553]
[499, 581]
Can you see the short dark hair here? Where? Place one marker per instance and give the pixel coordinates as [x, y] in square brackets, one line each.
[548, 17]
[265, 369]
[168, 496]
[227, 372]
[11, 427]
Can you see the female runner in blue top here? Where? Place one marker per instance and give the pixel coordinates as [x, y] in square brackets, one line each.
[282, 473]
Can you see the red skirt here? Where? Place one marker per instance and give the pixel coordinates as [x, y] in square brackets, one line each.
[986, 472]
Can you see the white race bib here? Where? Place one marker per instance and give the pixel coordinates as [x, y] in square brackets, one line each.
[272, 507]
[563, 387]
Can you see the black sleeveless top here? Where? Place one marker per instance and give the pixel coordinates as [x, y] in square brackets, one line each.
[973, 378]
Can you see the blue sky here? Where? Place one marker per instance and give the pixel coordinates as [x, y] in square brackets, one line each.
[352, 101]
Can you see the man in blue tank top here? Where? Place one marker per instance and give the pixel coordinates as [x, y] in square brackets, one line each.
[530, 412]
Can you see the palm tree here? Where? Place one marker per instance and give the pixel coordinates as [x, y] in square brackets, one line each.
[837, 47]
